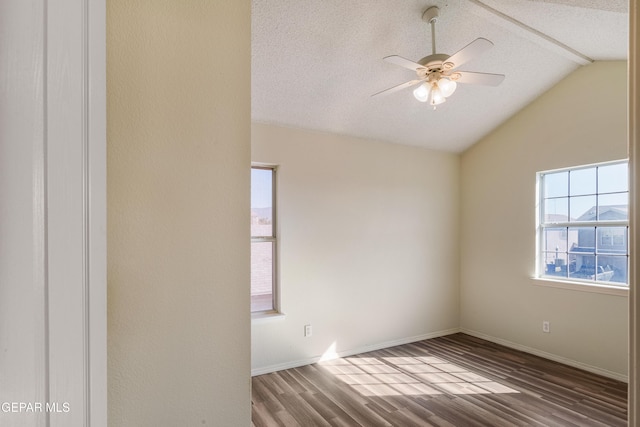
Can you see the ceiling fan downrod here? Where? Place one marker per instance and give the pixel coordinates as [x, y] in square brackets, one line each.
[431, 16]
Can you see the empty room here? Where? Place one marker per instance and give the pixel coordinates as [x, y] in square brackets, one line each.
[381, 220]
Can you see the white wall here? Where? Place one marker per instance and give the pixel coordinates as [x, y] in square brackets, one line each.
[368, 244]
[178, 76]
[581, 120]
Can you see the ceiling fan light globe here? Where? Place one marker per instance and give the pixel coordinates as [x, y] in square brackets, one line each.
[421, 93]
[437, 97]
[447, 87]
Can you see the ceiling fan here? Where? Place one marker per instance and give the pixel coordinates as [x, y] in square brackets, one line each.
[437, 73]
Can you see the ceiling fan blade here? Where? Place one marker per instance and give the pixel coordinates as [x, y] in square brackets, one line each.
[403, 62]
[470, 51]
[397, 87]
[487, 79]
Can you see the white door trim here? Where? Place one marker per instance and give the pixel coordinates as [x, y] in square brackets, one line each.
[75, 188]
[53, 213]
[634, 163]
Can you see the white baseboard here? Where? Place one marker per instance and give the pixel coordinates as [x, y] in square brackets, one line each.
[351, 352]
[407, 340]
[550, 356]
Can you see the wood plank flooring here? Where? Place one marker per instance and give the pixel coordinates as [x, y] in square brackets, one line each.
[457, 380]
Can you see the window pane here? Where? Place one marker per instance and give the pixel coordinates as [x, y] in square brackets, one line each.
[612, 240]
[582, 266]
[612, 269]
[556, 184]
[582, 240]
[261, 276]
[556, 210]
[555, 239]
[261, 202]
[582, 208]
[613, 178]
[582, 181]
[613, 207]
[555, 264]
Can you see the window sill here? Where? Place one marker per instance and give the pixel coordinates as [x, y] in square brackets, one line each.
[581, 286]
[267, 316]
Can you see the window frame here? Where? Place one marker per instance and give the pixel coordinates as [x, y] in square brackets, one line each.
[273, 239]
[567, 281]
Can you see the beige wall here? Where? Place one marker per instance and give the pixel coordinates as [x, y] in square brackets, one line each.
[581, 120]
[368, 244]
[178, 212]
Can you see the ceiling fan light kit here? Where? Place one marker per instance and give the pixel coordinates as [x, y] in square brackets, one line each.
[435, 73]
[436, 89]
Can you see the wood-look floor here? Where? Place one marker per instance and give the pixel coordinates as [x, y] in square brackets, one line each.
[457, 380]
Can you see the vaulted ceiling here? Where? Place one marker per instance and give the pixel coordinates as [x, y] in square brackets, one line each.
[316, 63]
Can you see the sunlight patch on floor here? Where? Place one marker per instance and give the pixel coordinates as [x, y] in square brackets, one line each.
[409, 376]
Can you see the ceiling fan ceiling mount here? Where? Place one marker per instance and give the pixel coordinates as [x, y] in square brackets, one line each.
[431, 14]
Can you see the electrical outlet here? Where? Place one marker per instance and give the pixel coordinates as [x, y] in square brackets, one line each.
[307, 330]
[546, 326]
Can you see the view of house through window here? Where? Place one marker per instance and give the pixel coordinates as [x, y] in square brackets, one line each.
[584, 224]
[263, 239]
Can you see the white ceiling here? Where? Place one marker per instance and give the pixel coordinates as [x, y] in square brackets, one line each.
[316, 63]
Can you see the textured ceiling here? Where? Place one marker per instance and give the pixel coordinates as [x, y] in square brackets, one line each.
[316, 63]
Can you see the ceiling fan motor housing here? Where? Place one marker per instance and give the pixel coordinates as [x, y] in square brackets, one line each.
[432, 63]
